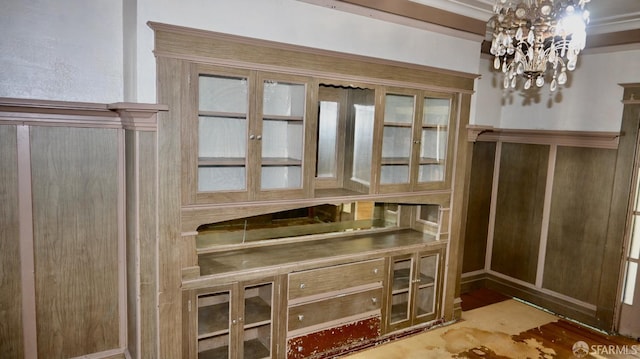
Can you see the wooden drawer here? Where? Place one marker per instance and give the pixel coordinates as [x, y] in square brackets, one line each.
[316, 281]
[333, 309]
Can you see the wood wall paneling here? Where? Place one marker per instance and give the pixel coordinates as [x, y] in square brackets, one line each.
[519, 209]
[582, 186]
[75, 227]
[477, 226]
[11, 340]
[133, 249]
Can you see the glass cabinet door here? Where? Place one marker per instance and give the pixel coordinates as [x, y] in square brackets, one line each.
[434, 139]
[213, 325]
[425, 308]
[401, 292]
[258, 321]
[223, 107]
[397, 139]
[282, 134]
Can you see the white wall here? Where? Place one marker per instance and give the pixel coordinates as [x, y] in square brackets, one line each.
[589, 102]
[299, 23]
[67, 50]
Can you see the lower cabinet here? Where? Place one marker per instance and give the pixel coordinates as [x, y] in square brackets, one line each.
[414, 289]
[232, 321]
[317, 312]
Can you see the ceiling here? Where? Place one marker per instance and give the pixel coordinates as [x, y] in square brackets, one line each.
[613, 22]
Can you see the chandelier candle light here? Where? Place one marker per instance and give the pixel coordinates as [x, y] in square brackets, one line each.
[533, 37]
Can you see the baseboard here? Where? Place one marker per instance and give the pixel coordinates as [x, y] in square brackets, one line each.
[548, 302]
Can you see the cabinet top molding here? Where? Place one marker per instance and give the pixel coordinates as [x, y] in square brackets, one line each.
[233, 50]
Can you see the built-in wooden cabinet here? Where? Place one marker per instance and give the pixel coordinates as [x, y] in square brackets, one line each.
[415, 282]
[248, 135]
[232, 321]
[416, 137]
[258, 128]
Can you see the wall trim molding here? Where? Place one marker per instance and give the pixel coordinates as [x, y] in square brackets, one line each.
[591, 139]
[120, 115]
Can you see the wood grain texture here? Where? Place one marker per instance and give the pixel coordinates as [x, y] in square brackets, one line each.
[75, 209]
[520, 199]
[173, 253]
[228, 49]
[11, 340]
[580, 205]
[477, 224]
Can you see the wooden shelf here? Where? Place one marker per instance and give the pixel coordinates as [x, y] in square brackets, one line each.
[221, 162]
[254, 349]
[213, 320]
[398, 124]
[237, 115]
[282, 118]
[281, 161]
[431, 161]
[215, 353]
[390, 161]
[256, 312]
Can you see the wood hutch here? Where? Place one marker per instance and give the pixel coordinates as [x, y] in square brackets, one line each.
[317, 196]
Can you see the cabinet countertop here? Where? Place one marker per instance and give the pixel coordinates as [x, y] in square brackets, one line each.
[290, 257]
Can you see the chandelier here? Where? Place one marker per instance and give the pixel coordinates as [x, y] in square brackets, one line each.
[533, 38]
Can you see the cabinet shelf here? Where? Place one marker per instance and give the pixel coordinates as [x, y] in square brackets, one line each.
[281, 161]
[215, 353]
[386, 161]
[398, 124]
[430, 161]
[213, 320]
[254, 349]
[221, 161]
[282, 118]
[237, 115]
[257, 312]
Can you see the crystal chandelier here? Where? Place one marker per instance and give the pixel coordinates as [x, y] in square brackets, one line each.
[533, 37]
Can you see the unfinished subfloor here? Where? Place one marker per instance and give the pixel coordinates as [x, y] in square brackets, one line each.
[505, 329]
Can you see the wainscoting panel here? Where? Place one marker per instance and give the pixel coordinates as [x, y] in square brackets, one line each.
[519, 207]
[580, 206]
[475, 244]
[11, 341]
[76, 238]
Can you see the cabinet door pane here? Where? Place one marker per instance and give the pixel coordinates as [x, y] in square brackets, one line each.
[213, 325]
[282, 134]
[326, 166]
[362, 143]
[401, 290]
[258, 319]
[426, 294]
[435, 134]
[397, 138]
[222, 133]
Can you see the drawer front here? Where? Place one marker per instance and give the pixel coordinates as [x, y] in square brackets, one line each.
[332, 309]
[335, 278]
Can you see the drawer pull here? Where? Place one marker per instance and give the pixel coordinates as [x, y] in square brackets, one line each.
[374, 300]
[302, 285]
[375, 271]
[300, 317]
